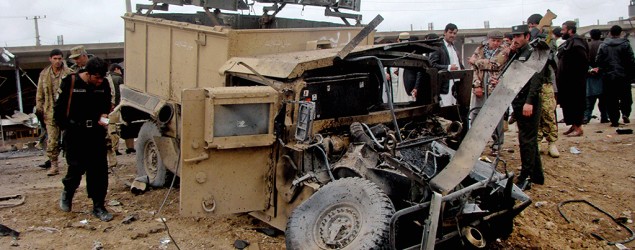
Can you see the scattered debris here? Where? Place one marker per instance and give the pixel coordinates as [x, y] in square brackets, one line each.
[130, 218]
[107, 229]
[138, 235]
[14, 243]
[621, 247]
[267, 231]
[83, 222]
[139, 185]
[11, 200]
[622, 219]
[597, 236]
[156, 230]
[510, 150]
[97, 245]
[113, 203]
[45, 229]
[624, 131]
[550, 225]
[161, 219]
[596, 220]
[581, 190]
[164, 242]
[540, 203]
[5, 231]
[575, 150]
[241, 244]
[485, 159]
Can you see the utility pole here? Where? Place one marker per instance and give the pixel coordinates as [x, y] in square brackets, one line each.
[37, 31]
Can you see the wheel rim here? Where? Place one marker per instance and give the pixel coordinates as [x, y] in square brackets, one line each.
[338, 226]
[150, 159]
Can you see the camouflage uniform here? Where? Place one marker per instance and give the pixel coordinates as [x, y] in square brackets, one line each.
[75, 68]
[548, 127]
[47, 91]
[112, 138]
[488, 64]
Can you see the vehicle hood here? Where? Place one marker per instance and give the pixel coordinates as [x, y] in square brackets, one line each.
[294, 64]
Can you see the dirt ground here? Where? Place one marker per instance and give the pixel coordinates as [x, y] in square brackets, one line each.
[602, 173]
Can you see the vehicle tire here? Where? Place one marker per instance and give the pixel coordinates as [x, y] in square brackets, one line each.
[148, 160]
[357, 208]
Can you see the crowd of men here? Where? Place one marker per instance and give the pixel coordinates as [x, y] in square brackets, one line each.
[577, 74]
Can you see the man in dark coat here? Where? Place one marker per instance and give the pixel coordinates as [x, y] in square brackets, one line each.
[81, 110]
[447, 58]
[573, 64]
[617, 65]
[594, 81]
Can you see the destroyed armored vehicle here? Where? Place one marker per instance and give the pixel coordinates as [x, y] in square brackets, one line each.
[301, 132]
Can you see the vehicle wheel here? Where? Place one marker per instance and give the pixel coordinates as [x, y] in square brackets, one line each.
[349, 213]
[148, 160]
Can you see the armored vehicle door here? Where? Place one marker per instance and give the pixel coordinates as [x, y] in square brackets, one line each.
[227, 138]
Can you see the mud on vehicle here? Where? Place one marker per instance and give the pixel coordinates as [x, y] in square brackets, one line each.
[312, 143]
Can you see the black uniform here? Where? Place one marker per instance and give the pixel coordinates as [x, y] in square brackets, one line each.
[528, 126]
[84, 139]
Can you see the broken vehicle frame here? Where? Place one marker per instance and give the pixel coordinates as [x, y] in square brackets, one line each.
[303, 159]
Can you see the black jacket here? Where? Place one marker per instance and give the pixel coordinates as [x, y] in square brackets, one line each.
[530, 93]
[440, 60]
[615, 59]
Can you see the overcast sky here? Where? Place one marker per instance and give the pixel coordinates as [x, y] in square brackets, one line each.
[94, 21]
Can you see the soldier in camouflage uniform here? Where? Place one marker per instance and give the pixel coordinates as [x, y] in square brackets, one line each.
[115, 78]
[488, 60]
[47, 92]
[548, 128]
[80, 56]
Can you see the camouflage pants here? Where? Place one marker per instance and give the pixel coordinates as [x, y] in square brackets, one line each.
[548, 127]
[52, 142]
[113, 137]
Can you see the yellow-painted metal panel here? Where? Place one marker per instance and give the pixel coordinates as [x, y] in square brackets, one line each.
[135, 55]
[159, 59]
[184, 55]
[215, 182]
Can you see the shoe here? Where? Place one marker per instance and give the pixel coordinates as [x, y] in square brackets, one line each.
[571, 129]
[585, 120]
[604, 120]
[553, 150]
[66, 201]
[130, 150]
[101, 213]
[615, 124]
[54, 170]
[626, 120]
[117, 152]
[45, 165]
[523, 184]
[576, 133]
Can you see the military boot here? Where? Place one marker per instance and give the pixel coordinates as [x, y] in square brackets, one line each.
[45, 165]
[553, 150]
[54, 170]
[66, 201]
[99, 211]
